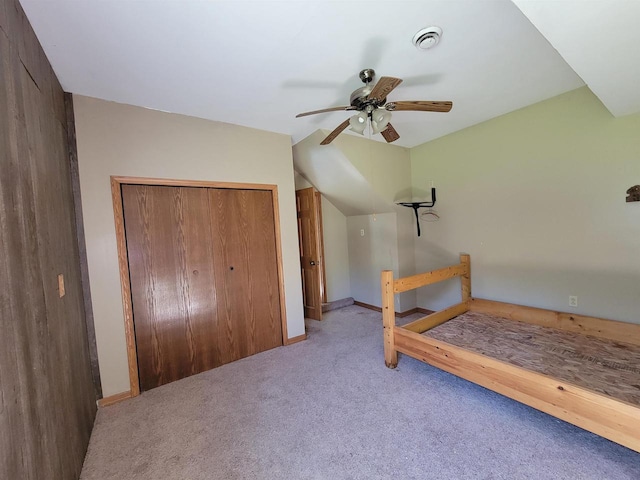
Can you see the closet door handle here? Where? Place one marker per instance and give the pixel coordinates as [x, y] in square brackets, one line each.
[312, 262]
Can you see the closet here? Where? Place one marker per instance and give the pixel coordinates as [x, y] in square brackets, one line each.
[203, 270]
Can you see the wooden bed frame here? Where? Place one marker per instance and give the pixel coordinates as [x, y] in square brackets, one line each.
[614, 419]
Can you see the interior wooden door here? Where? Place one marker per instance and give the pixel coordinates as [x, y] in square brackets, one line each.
[310, 257]
[191, 310]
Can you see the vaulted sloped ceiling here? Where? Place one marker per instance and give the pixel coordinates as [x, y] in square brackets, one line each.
[600, 40]
[258, 64]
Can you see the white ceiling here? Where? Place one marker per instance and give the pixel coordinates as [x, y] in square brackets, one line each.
[259, 63]
[600, 40]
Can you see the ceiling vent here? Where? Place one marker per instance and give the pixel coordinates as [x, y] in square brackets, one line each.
[427, 38]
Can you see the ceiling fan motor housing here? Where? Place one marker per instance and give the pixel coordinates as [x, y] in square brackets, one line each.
[360, 97]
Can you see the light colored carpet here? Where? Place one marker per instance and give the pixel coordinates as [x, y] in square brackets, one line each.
[328, 408]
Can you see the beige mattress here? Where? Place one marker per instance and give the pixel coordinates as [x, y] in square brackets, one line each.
[604, 366]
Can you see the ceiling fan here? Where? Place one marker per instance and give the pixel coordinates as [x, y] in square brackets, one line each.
[371, 103]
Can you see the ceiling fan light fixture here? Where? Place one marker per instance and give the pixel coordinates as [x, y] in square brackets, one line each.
[427, 38]
[358, 122]
[380, 118]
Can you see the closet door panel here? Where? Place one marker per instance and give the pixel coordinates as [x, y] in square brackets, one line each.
[172, 281]
[246, 276]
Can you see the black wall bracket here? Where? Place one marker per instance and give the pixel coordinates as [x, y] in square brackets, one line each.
[417, 205]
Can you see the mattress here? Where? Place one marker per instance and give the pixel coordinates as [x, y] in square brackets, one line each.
[605, 366]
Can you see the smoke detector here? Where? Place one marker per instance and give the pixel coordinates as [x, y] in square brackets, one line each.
[427, 38]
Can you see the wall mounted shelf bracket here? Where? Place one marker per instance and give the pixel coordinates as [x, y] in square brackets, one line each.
[417, 205]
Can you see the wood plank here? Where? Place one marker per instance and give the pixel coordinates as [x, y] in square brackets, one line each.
[47, 400]
[113, 399]
[80, 239]
[334, 133]
[280, 269]
[406, 313]
[19, 424]
[176, 182]
[388, 318]
[298, 339]
[411, 311]
[465, 280]
[384, 87]
[598, 327]
[125, 287]
[615, 420]
[423, 279]
[323, 285]
[430, 321]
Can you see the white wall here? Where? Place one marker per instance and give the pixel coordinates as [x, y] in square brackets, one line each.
[360, 177]
[387, 244]
[300, 181]
[537, 197]
[115, 139]
[336, 252]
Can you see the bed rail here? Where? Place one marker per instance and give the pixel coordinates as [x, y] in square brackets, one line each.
[390, 287]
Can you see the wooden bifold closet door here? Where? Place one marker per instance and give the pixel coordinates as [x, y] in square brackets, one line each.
[204, 277]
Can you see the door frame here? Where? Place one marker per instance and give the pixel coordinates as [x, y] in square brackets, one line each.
[123, 263]
[323, 282]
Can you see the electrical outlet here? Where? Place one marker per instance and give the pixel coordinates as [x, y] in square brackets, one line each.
[362, 232]
[573, 301]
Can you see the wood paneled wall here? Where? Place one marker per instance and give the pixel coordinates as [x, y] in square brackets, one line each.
[47, 398]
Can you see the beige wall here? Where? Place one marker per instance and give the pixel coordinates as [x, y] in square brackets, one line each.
[537, 197]
[115, 139]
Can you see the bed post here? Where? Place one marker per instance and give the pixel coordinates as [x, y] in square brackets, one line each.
[388, 318]
[465, 279]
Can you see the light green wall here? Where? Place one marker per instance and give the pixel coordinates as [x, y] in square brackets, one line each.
[537, 197]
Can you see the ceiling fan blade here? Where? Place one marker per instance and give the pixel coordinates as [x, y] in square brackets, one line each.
[324, 110]
[331, 137]
[384, 86]
[390, 134]
[419, 106]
